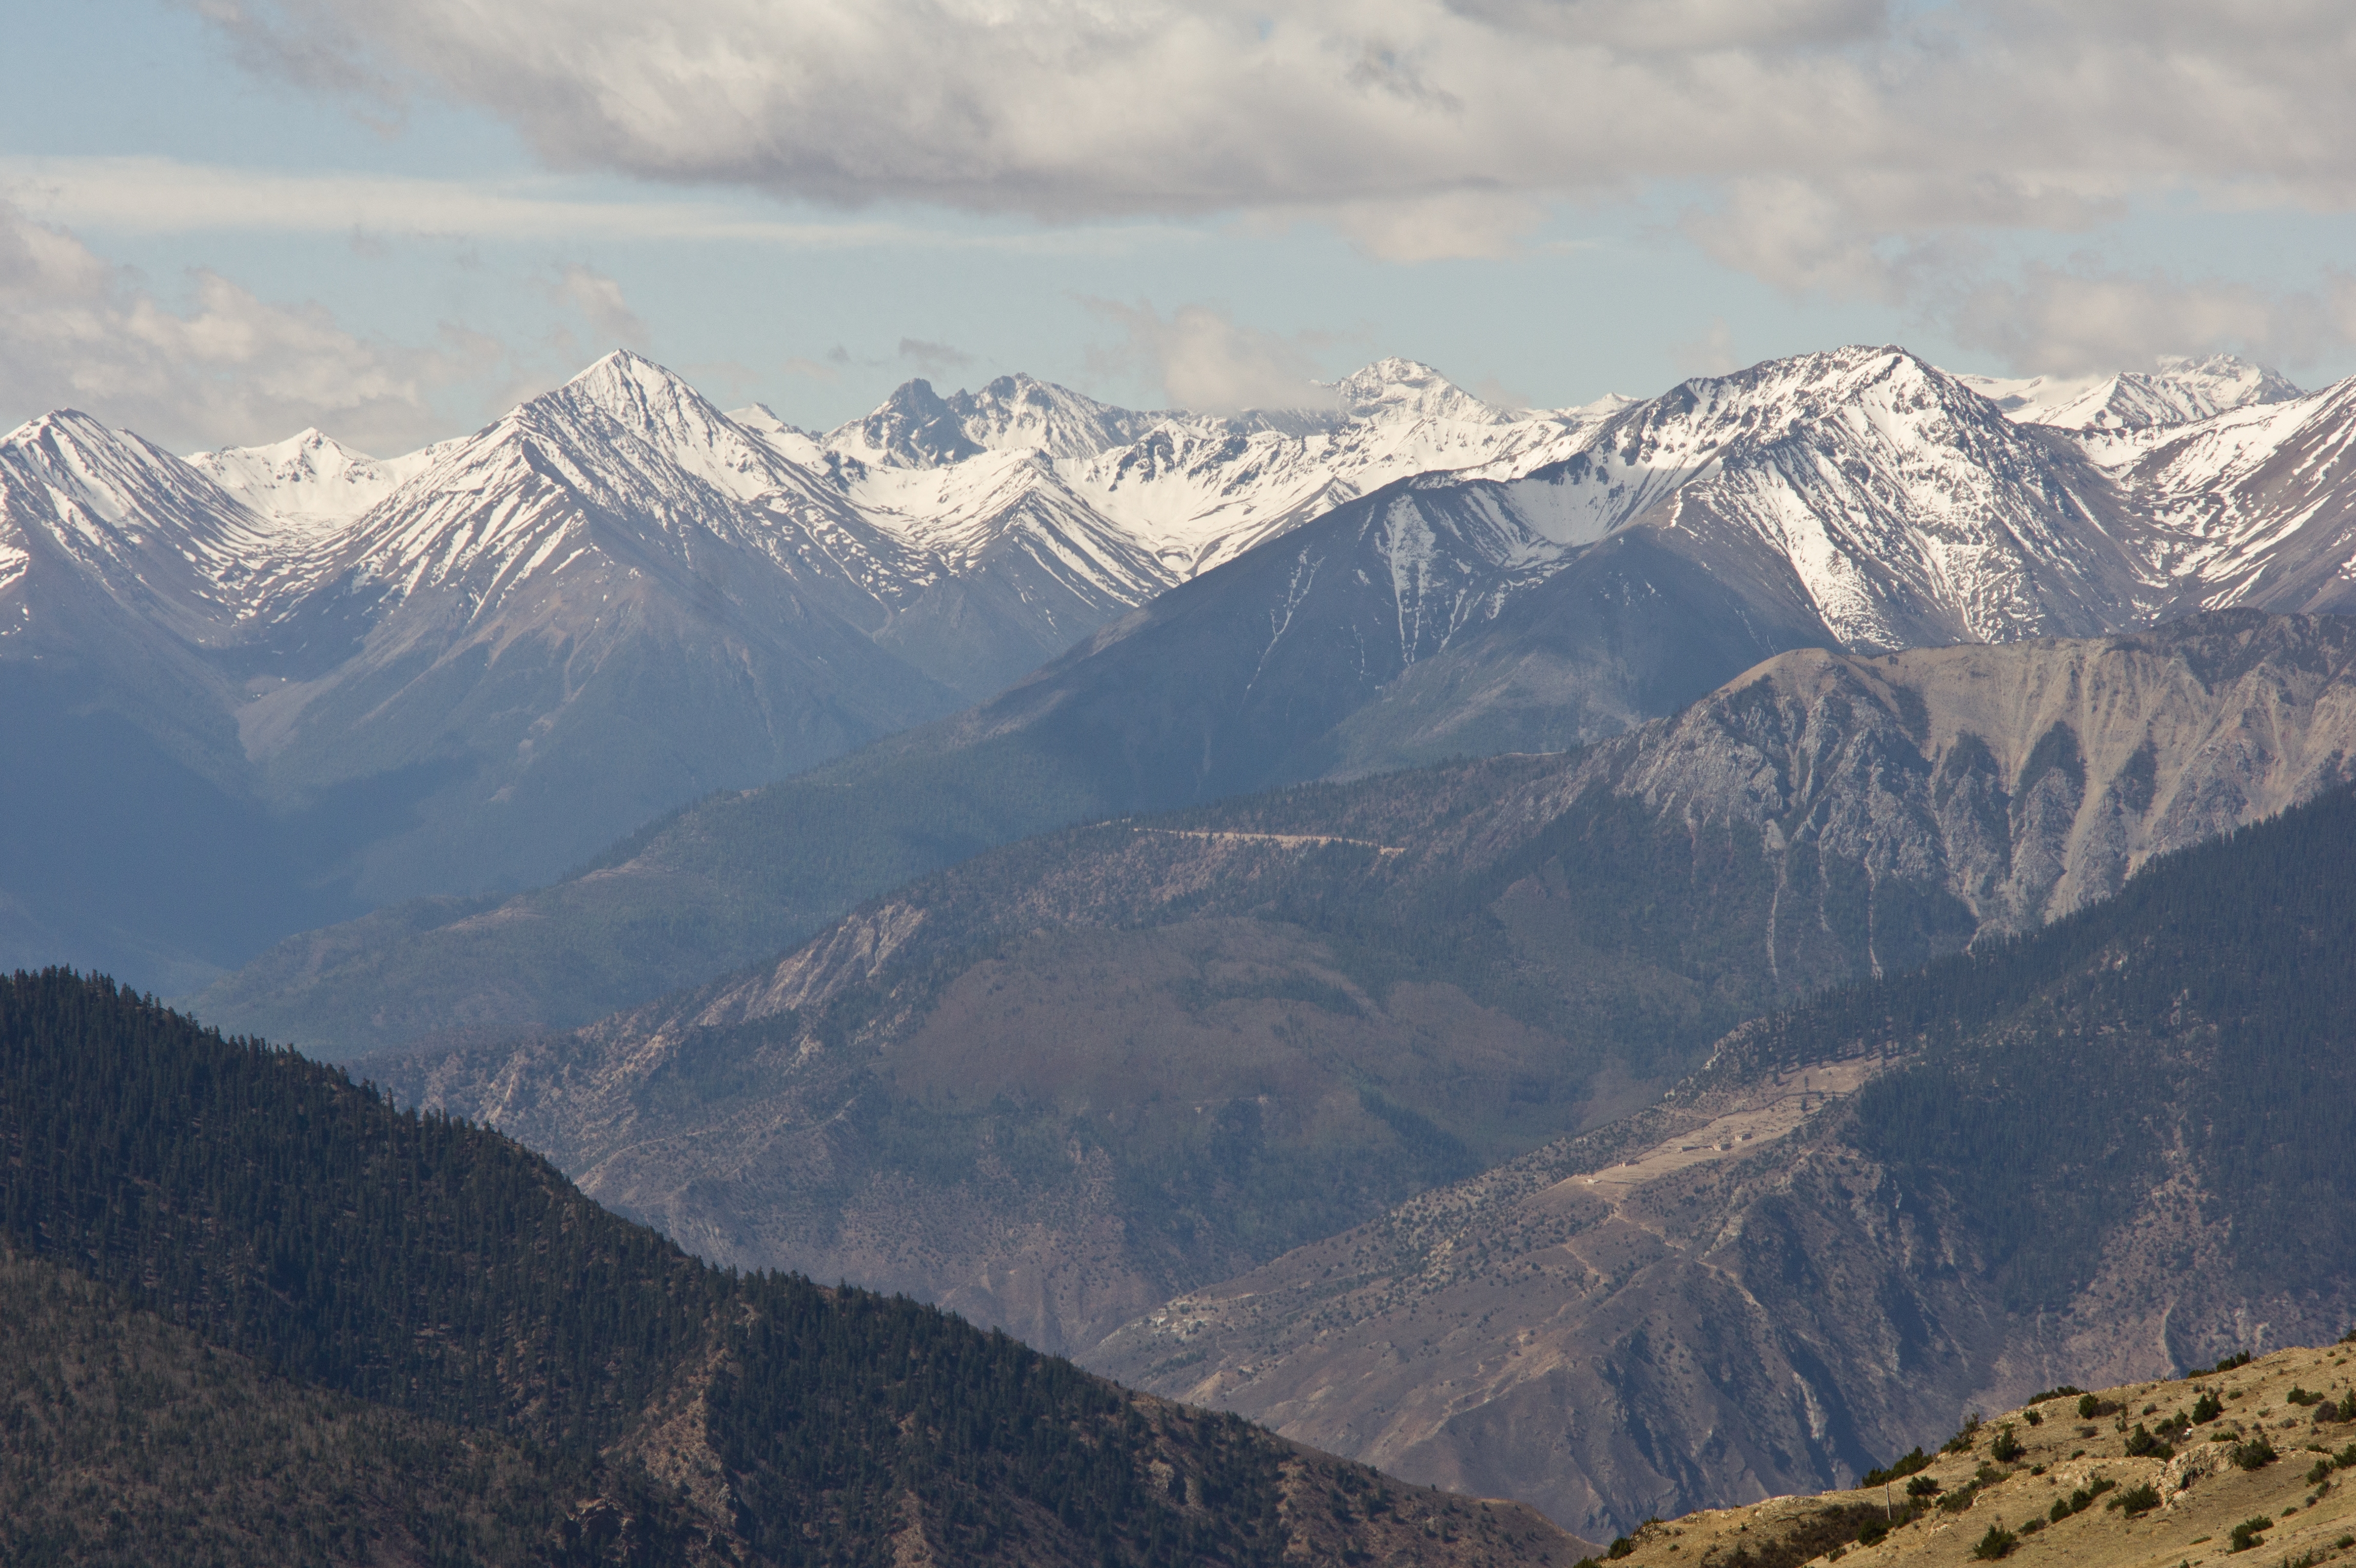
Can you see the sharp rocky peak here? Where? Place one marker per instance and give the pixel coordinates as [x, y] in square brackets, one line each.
[1395, 387]
[913, 428]
[633, 389]
[670, 426]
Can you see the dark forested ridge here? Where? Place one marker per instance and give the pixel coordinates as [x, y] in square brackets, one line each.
[560, 1384]
[2116, 1149]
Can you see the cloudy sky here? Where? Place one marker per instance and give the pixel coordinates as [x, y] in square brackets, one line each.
[223, 220]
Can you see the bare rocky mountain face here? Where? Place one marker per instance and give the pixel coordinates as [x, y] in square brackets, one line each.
[1093, 1070]
[2110, 1153]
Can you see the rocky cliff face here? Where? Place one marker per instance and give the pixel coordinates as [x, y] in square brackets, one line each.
[2019, 781]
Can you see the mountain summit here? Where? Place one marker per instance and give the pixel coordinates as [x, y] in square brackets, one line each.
[1395, 388]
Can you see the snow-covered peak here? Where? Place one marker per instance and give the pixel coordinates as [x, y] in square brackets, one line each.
[790, 442]
[2176, 390]
[307, 478]
[636, 414]
[1396, 388]
[916, 427]
[144, 524]
[110, 476]
[1909, 508]
[644, 398]
[2179, 392]
[1884, 392]
[1018, 412]
[622, 381]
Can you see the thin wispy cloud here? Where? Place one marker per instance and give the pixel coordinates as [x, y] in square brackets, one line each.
[1200, 358]
[164, 196]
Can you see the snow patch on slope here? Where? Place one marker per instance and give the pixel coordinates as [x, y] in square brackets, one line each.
[309, 480]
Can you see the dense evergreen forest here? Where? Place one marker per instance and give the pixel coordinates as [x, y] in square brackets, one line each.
[406, 1285]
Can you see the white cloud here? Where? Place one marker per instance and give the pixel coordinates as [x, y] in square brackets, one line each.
[598, 300]
[165, 196]
[1205, 361]
[1863, 148]
[934, 359]
[76, 332]
[2066, 322]
[811, 370]
[1069, 107]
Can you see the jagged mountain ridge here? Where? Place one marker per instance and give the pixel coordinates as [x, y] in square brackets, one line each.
[1858, 497]
[2176, 391]
[1192, 491]
[1382, 979]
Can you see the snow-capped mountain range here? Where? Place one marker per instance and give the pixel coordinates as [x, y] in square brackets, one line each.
[2176, 390]
[513, 646]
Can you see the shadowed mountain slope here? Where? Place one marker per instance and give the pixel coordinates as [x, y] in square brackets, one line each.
[1048, 1085]
[2109, 1150]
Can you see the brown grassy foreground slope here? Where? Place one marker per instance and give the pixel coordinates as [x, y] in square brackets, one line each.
[2272, 1473]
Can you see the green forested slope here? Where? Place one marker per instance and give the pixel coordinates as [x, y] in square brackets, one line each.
[126, 1440]
[267, 1208]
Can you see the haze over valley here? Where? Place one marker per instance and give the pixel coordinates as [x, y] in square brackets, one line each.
[1211, 894]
